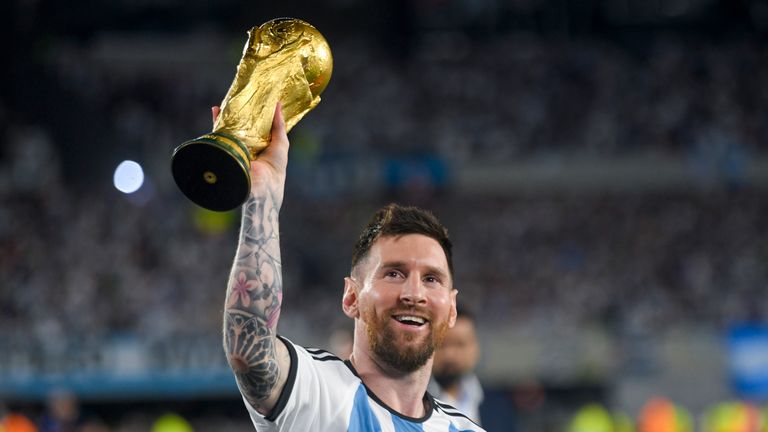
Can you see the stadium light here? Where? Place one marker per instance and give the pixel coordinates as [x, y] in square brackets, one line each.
[129, 176]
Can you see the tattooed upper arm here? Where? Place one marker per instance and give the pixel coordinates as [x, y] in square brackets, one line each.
[260, 362]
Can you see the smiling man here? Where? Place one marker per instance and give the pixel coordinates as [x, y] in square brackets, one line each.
[399, 293]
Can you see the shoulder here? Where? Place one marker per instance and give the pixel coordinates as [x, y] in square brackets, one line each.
[318, 389]
[326, 368]
[322, 361]
[455, 416]
[321, 355]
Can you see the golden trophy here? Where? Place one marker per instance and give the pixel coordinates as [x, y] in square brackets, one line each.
[284, 60]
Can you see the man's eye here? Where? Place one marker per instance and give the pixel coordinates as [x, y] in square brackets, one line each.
[393, 274]
[431, 279]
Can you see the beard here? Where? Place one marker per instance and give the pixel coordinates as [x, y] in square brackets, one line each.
[384, 341]
[447, 378]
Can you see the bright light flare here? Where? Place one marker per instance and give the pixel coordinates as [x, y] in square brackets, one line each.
[128, 177]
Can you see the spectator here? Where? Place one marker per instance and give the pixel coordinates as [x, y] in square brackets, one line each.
[453, 377]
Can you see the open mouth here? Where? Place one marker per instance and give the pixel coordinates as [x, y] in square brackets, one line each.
[410, 320]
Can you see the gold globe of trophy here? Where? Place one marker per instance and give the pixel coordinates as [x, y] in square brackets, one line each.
[284, 60]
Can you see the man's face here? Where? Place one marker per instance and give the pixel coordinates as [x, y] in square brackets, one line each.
[458, 354]
[406, 300]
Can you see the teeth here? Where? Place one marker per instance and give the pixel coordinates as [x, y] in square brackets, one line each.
[415, 319]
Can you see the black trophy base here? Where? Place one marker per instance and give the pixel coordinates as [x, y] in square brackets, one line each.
[210, 174]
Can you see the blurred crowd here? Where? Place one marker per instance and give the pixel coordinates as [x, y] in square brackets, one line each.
[462, 101]
[79, 258]
[80, 262]
[516, 98]
[95, 262]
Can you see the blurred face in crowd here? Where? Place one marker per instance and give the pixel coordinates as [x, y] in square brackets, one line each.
[458, 354]
[403, 300]
[63, 406]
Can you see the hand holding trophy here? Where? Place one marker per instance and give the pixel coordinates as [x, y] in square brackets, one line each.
[285, 60]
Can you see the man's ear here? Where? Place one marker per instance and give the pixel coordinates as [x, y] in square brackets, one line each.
[453, 313]
[349, 300]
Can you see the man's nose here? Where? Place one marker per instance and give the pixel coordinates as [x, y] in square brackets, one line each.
[413, 291]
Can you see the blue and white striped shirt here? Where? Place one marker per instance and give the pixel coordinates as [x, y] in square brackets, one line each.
[324, 393]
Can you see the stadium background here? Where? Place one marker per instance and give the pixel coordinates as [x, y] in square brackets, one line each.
[601, 166]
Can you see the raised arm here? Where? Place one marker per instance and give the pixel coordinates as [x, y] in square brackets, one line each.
[258, 359]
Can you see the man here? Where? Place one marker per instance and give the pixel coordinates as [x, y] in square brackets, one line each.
[453, 378]
[399, 293]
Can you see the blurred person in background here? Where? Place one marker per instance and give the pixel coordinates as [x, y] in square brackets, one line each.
[62, 413]
[400, 294]
[453, 377]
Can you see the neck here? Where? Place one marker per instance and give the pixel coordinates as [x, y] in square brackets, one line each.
[403, 392]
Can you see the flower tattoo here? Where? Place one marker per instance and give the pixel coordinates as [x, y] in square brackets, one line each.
[240, 290]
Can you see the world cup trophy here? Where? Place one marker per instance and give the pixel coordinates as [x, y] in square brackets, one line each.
[285, 60]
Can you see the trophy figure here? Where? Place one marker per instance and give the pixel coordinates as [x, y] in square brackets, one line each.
[285, 60]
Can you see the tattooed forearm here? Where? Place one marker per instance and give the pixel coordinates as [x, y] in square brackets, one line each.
[253, 302]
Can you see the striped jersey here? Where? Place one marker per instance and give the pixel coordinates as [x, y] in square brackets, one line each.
[324, 393]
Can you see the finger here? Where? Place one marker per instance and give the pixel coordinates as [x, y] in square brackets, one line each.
[278, 124]
[215, 111]
[277, 150]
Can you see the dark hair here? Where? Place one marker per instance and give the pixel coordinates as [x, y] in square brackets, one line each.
[397, 220]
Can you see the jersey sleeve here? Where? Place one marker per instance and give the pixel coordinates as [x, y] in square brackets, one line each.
[317, 395]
